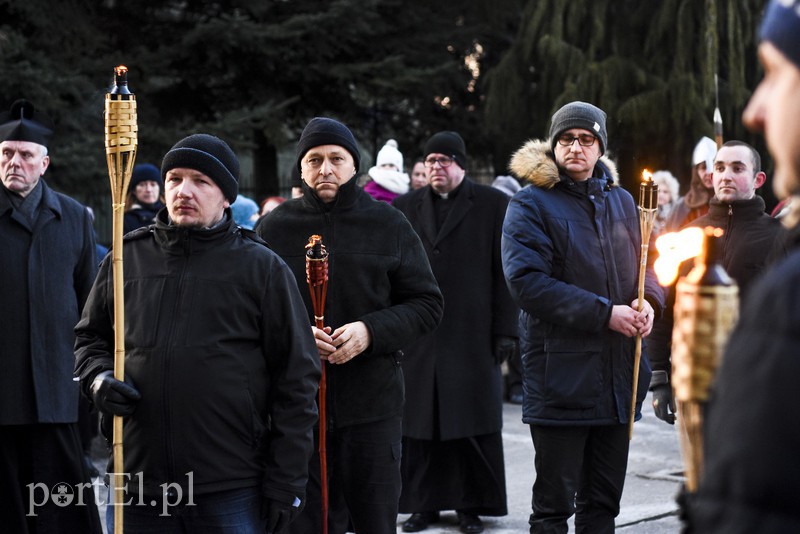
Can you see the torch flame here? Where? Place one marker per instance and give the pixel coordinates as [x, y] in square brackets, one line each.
[673, 248]
[647, 176]
[122, 69]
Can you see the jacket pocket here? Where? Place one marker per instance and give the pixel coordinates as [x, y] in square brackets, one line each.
[573, 372]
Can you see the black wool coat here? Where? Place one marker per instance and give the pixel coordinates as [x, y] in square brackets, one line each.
[452, 371]
[46, 273]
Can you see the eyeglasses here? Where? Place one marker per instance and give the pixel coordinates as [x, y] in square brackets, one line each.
[583, 139]
[444, 161]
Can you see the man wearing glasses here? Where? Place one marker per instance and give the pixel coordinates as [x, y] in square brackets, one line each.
[452, 445]
[570, 253]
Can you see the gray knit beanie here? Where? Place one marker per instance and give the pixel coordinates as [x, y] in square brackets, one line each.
[209, 155]
[579, 115]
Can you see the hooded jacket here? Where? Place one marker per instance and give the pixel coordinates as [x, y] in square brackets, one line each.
[378, 274]
[569, 256]
[217, 343]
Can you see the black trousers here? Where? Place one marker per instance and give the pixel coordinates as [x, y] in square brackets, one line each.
[579, 470]
[44, 486]
[363, 481]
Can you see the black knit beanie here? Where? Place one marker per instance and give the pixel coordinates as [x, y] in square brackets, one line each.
[781, 26]
[145, 172]
[324, 131]
[579, 115]
[209, 155]
[447, 143]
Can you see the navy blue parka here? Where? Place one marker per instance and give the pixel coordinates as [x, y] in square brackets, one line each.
[569, 256]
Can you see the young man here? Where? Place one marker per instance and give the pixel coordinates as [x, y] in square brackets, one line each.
[751, 241]
[571, 246]
[220, 366]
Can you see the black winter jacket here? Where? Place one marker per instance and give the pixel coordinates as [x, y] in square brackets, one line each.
[218, 344]
[378, 274]
[752, 241]
[569, 256]
[751, 477]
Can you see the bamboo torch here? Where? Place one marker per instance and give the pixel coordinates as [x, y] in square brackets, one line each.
[717, 117]
[706, 308]
[648, 206]
[317, 278]
[121, 139]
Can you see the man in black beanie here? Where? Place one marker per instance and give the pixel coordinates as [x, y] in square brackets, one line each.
[381, 296]
[751, 474]
[452, 440]
[47, 266]
[571, 243]
[220, 366]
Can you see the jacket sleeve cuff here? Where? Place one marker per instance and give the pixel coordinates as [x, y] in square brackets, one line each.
[659, 378]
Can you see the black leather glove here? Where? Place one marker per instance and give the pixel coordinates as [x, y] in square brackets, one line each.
[504, 347]
[112, 396]
[663, 403]
[278, 515]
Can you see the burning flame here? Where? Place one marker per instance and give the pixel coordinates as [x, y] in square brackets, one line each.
[647, 176]
[673, 248]
[122, 69]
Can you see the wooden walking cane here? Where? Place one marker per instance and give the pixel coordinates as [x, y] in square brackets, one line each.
[648, 206]
[317, 278]
[121, 139]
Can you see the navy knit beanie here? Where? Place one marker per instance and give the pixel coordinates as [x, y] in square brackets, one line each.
[447, 143]
[145, 172]
[781, 27]
[324, 131]
[579, 115]
[209, 155]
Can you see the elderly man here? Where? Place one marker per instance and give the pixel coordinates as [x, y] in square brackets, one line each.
[571, 244]
[381, 296]
[752, 431]
[222, 367]
[452, 440]
[47, 266]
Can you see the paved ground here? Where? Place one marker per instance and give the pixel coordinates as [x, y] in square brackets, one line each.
[648, 504]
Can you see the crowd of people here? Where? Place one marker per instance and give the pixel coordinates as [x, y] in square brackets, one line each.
[435, 287]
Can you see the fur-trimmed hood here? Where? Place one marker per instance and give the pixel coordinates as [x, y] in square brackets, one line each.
[534, 162]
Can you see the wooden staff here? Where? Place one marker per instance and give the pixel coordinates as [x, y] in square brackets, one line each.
[648, 206]
[717, 117]
[121, 140]
[317, 278]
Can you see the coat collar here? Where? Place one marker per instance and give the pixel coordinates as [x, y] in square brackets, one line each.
[461, 206]
[534, 162]
[50, 207]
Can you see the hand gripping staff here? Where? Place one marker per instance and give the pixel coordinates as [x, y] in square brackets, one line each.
[121, 140]
[648, 206]
[317, 278]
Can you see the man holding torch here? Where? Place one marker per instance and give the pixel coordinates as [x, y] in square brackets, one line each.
[752, 429]
[47, 266]
[381, 296]
[571, 243]
[220, 366]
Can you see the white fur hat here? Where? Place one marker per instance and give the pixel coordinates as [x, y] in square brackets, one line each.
[390, 154]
